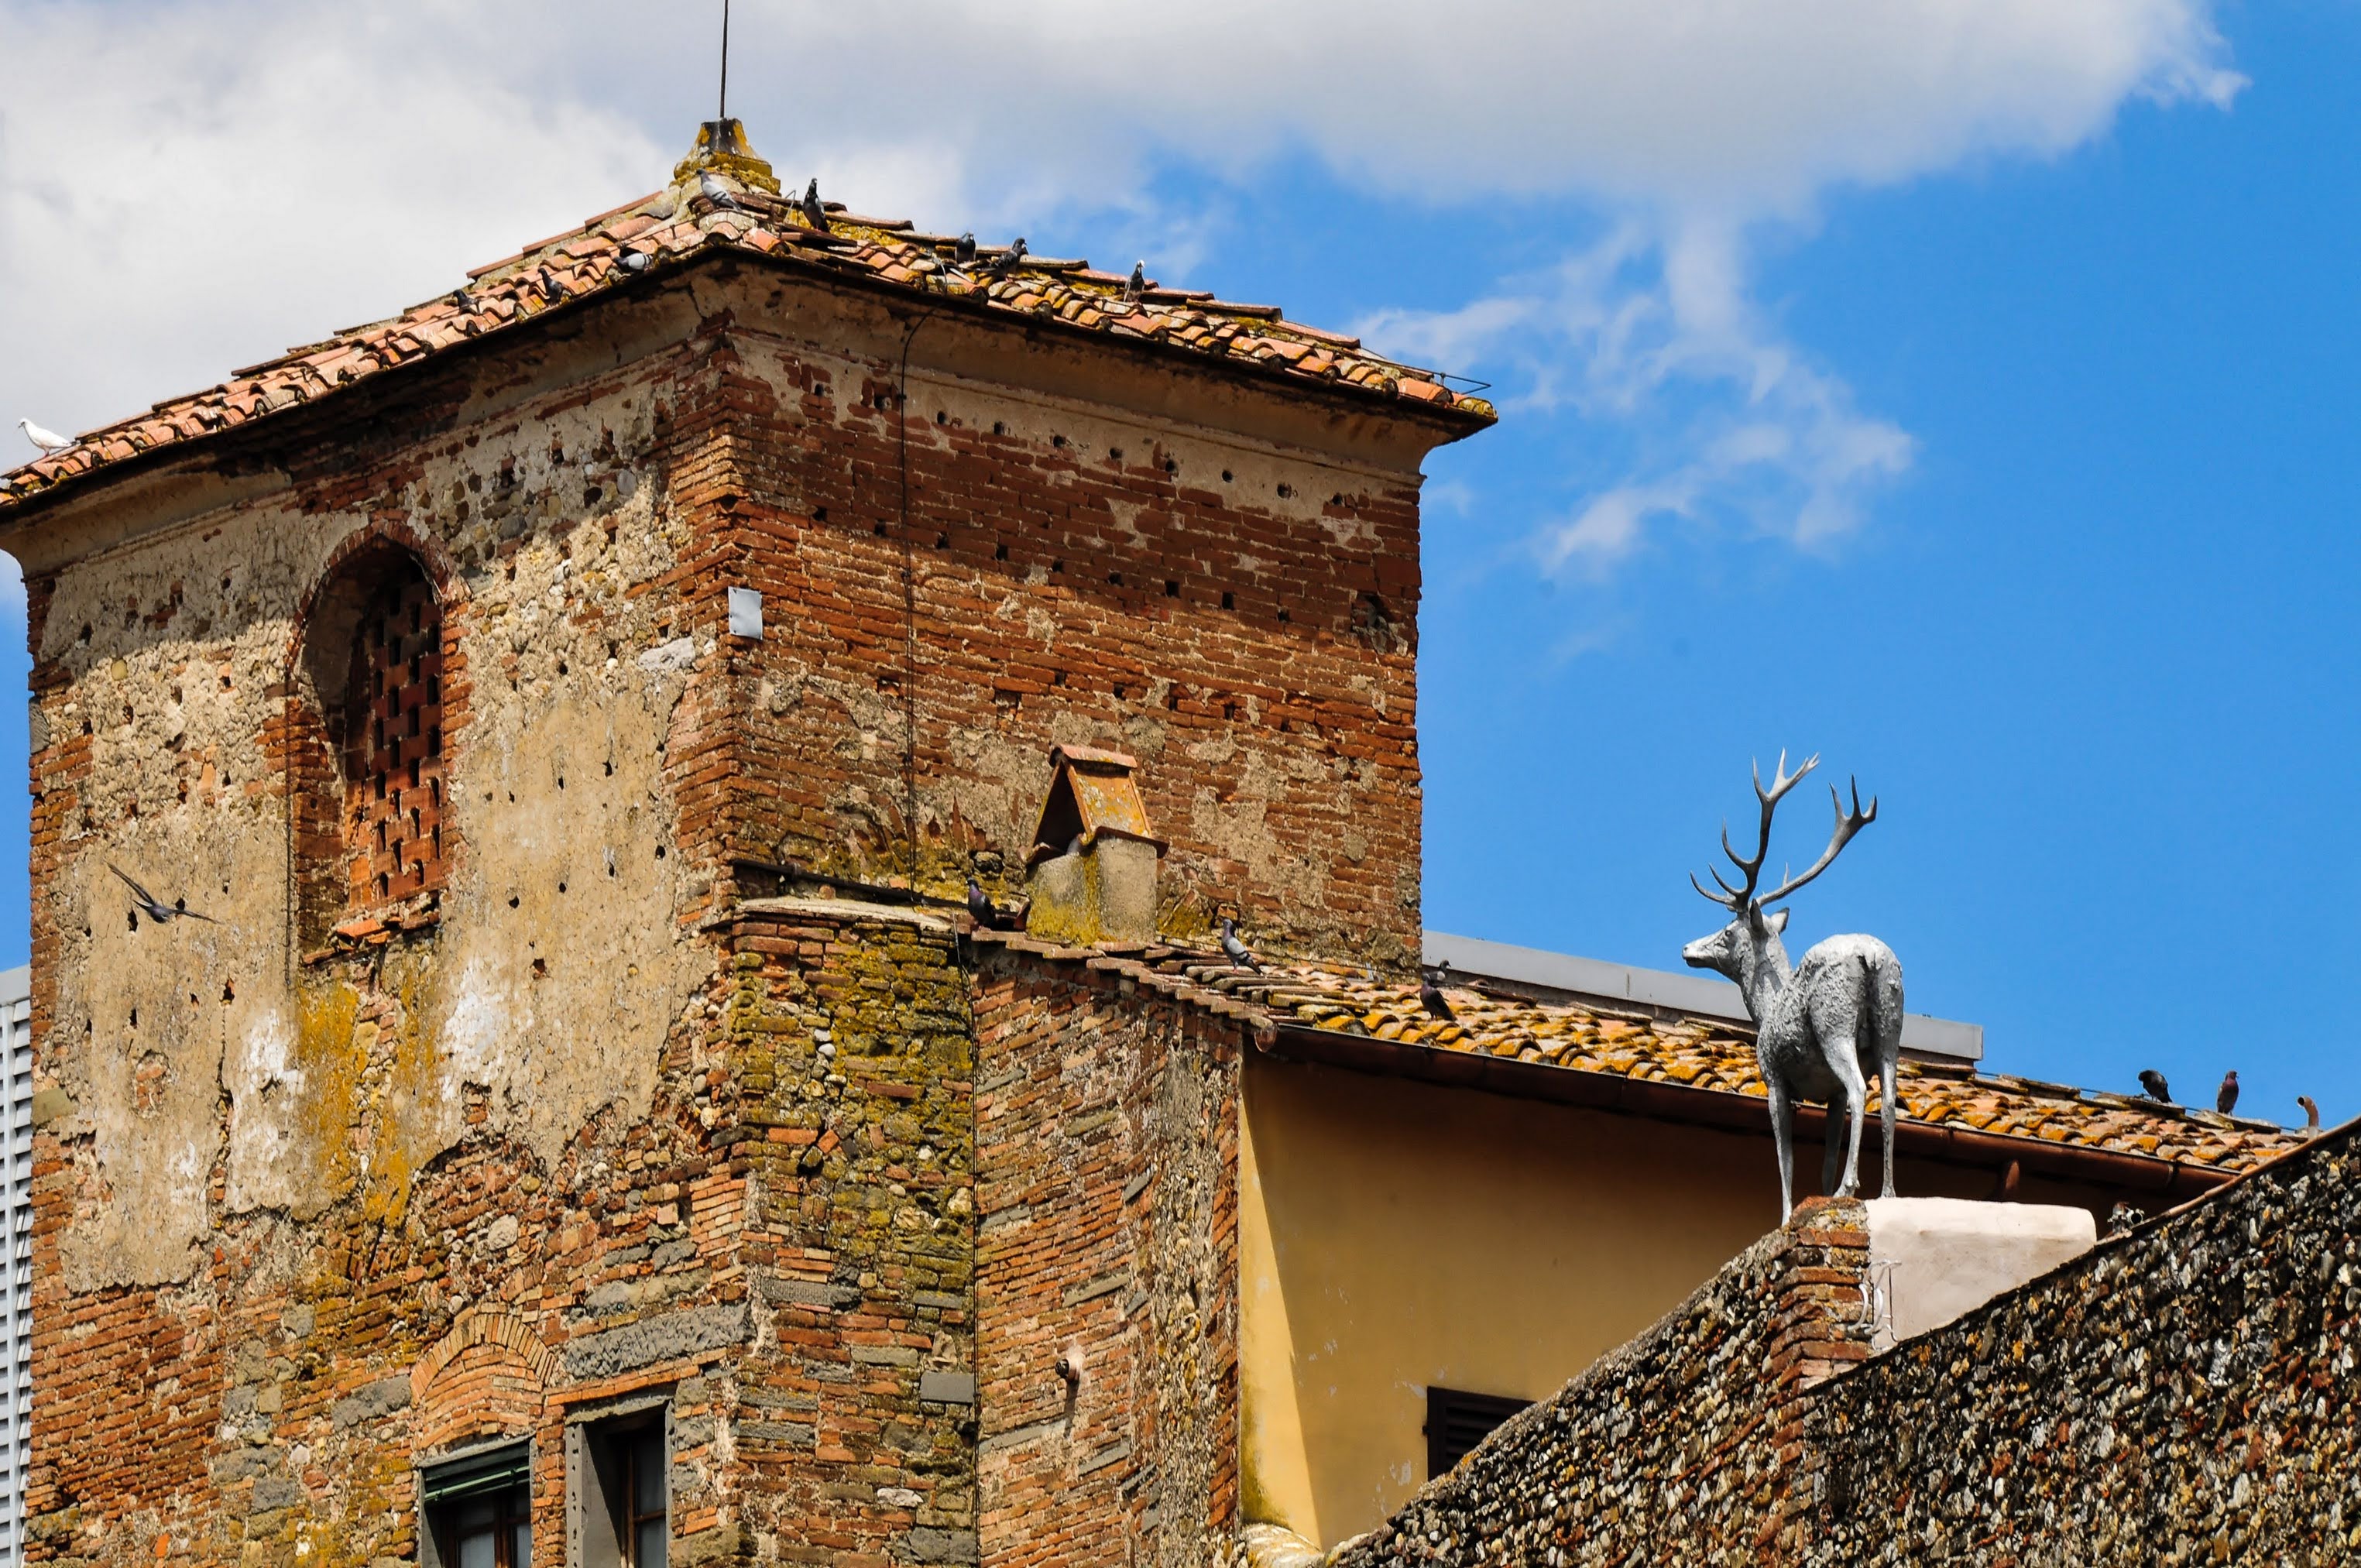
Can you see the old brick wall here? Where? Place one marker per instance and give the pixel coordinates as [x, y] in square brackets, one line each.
[855, 1417]
[956, 582]
[1682, 1446]
[1107, 1169]
[2184, 1394]
[272, 1182]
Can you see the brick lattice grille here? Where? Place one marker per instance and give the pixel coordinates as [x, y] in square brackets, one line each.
[393, 746]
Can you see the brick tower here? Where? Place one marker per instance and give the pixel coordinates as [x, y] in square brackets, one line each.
[582, 1127]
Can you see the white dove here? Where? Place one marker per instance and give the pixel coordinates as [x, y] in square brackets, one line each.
[49, 440]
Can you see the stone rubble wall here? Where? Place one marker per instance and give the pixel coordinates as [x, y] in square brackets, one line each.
[2188, 1393]
[1682, 1446]
[1107, 1143]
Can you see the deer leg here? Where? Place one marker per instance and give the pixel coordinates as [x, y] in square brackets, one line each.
[1834, 1141]
[1856, 1094]
[1783, 1136]
[1886, 1070]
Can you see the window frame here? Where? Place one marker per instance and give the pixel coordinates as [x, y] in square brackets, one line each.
[438, 1544]
[589, 1508]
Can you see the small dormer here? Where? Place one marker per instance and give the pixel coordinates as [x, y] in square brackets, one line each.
[1092, 870]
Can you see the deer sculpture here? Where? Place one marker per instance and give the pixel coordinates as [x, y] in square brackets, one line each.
[1821, 1028]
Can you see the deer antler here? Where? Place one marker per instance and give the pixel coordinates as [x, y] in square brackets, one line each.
[1737, 898]
[1847, 824]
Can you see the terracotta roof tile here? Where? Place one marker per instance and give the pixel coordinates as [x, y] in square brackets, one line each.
[1700, 1053]
[676, 224]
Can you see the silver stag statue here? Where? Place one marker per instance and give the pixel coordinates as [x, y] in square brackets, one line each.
[1822, 1028]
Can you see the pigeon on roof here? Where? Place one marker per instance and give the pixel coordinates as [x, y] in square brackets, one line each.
[1236, 949]
[715, 191]
[49, 440]
[1006, 261]
[635, 262]
[1136, 284]
[2227, 1100]
[155, 909]
[980, 907]
[2153, 1082]
[965, 251]
[813, 213]
[1430, 992]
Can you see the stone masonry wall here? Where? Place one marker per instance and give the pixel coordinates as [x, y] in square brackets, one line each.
[1239, 615]
[1106, 1169]
[1684, 1445]
[855, 1421]
[2186, 1393]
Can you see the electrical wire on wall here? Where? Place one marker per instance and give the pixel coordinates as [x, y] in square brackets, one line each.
[909, 610]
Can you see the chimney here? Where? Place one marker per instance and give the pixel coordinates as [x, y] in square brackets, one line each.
[1092, 872]
[721, 147]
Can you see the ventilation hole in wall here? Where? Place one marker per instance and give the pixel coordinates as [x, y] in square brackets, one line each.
[134, 1017]
[610, 769]
[1227, 477]
[540, 967]
[1337, 499]
[1056, 441]
[1229, 710]
[880, 530]
[1229, 601]
[1118, 691]
[820, 514]
[513, 901]
[1170, 466]
[998, 428]
[660, 851]
[941, 417]
[1283, 615]
[192, 999]
[942, 540]
[1057, 566]
[84, 637]
[229, 990]
[134, 920]
[85, 725]
[1172, 699]
[1057, 677]
[1115, 578]
[561, 781]
[1000, 550]
[1171, 588]
[561, 666]
[560, 887]
[1114, 453]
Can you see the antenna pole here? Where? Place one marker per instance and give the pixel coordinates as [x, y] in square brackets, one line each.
[725, 62]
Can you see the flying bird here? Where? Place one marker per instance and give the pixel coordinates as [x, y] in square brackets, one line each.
[1006, 261]
[148, 904]
[2227, 1100]
[716, 192]
[1137, 283]
[812, 213]
[1236, 949]
[2310, 1110]
[2152, 1081]
[965, 251]
[49, 440]
[1430, 992]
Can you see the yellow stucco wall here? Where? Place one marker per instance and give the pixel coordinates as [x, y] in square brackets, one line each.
[1397, 1234]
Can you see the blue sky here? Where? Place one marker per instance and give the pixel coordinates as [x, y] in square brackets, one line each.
[1990, 434]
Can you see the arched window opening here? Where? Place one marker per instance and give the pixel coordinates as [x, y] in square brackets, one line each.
[370, 834]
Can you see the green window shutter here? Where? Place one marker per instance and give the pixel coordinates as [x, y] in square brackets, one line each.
[495, 1470]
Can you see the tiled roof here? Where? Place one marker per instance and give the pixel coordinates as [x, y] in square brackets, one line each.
[658, 233]
[1696, 1053]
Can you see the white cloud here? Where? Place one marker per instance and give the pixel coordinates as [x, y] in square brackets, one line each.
[186, 185]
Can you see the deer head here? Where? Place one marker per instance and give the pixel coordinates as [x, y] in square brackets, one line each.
[1748, 950]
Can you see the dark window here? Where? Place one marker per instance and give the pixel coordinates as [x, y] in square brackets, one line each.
[1457, 1420]
[394, 744]
[480, 1509]
[623, 1518]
